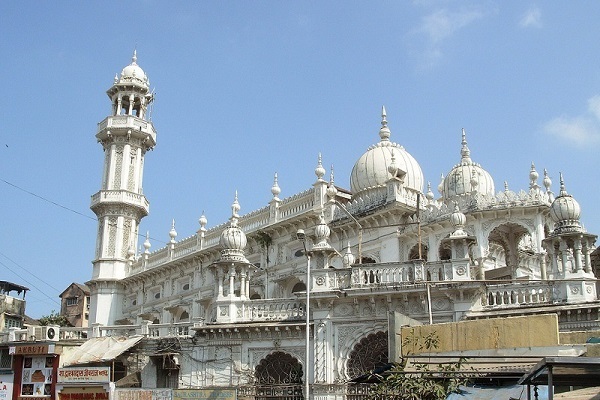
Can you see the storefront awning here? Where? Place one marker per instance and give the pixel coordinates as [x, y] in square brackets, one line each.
[99, 350]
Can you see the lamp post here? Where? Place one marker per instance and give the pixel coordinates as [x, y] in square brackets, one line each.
[302, 237]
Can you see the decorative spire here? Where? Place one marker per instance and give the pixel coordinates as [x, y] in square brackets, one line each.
[275, 189]
[505, 186]
[384, 132]
[134, 58]
[173, 232]
[320, 171]
[547, 181]
[348, 258]
[235, 207]
[458, 220]
[563, 191]
[322, 233]
[429, 196]
[533, 177]
[202, 221]
[465, 153]
[147, 244]
[331, 189]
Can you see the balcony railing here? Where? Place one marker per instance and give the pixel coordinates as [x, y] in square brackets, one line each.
[517, 293]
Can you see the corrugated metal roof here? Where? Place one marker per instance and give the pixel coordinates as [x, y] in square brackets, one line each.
[101, 349]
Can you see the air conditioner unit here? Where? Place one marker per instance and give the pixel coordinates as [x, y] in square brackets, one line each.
[43, 333]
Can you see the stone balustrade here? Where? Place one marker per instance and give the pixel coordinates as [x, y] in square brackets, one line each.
[125, 121]
[518, 293]
[273, 310]
[120, 196]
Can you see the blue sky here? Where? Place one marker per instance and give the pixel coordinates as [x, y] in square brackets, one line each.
[245, 89]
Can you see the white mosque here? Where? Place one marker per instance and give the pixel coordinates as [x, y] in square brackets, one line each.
[227, 306]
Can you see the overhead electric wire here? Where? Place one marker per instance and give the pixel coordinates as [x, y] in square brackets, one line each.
[67, 208]
[28, 282]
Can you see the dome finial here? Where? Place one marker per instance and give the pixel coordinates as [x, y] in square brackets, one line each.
[202, 221]
[533, 177]
[563, 190]
[384, 132]
[147, 244]
[464, 151]
[134, 57]
[235, 207]
[172, 232]
[275, 189]
[429, 196]
[547, 180]
[320, 171]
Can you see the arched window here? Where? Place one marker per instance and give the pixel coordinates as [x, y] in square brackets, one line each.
[279, 368]
[184, 316]
[368, 354]
[299, 287]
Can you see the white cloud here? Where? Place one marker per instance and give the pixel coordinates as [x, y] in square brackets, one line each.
[532, 18]
[441, 24]
[438, 26]
[580, 131]
[594, 106]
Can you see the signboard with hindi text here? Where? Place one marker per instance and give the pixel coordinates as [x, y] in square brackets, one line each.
[83, 374]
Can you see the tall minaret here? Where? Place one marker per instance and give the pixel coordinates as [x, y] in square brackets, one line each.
[126, 134]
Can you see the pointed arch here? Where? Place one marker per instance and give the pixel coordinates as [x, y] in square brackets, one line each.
[369, 353]
[279, 368]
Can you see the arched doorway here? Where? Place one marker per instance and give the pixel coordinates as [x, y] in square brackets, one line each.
[369, 354]
[278, 376]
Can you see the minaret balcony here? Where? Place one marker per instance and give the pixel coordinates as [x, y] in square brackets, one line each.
[136, 200]
[126, 124]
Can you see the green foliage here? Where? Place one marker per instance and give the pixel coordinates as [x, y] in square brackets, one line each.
[264, 240]
[424, 381]
[54, 318]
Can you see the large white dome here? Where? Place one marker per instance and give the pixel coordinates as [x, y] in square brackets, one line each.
[372, 168]
[466, 177]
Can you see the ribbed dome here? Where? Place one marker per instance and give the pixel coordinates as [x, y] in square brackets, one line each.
[467, 177]
[565, 211]
[233, 239]
[372, 168]
[134, 74]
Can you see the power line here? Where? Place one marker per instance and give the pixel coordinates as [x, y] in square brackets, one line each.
[47, 200]
[67, 208]
[29, 283]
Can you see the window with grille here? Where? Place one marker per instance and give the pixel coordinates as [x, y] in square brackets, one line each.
[368, 354]
[10, 322]
[5, 359]
[72, 301]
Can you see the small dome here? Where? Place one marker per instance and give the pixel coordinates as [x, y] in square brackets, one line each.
[565, 211]
[467, 177]
[372, 170]
[133, 74]
[233, 239]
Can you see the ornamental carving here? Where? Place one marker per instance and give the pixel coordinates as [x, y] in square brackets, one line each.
[343, 310]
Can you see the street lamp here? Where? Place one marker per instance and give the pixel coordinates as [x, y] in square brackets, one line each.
[302, 237]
